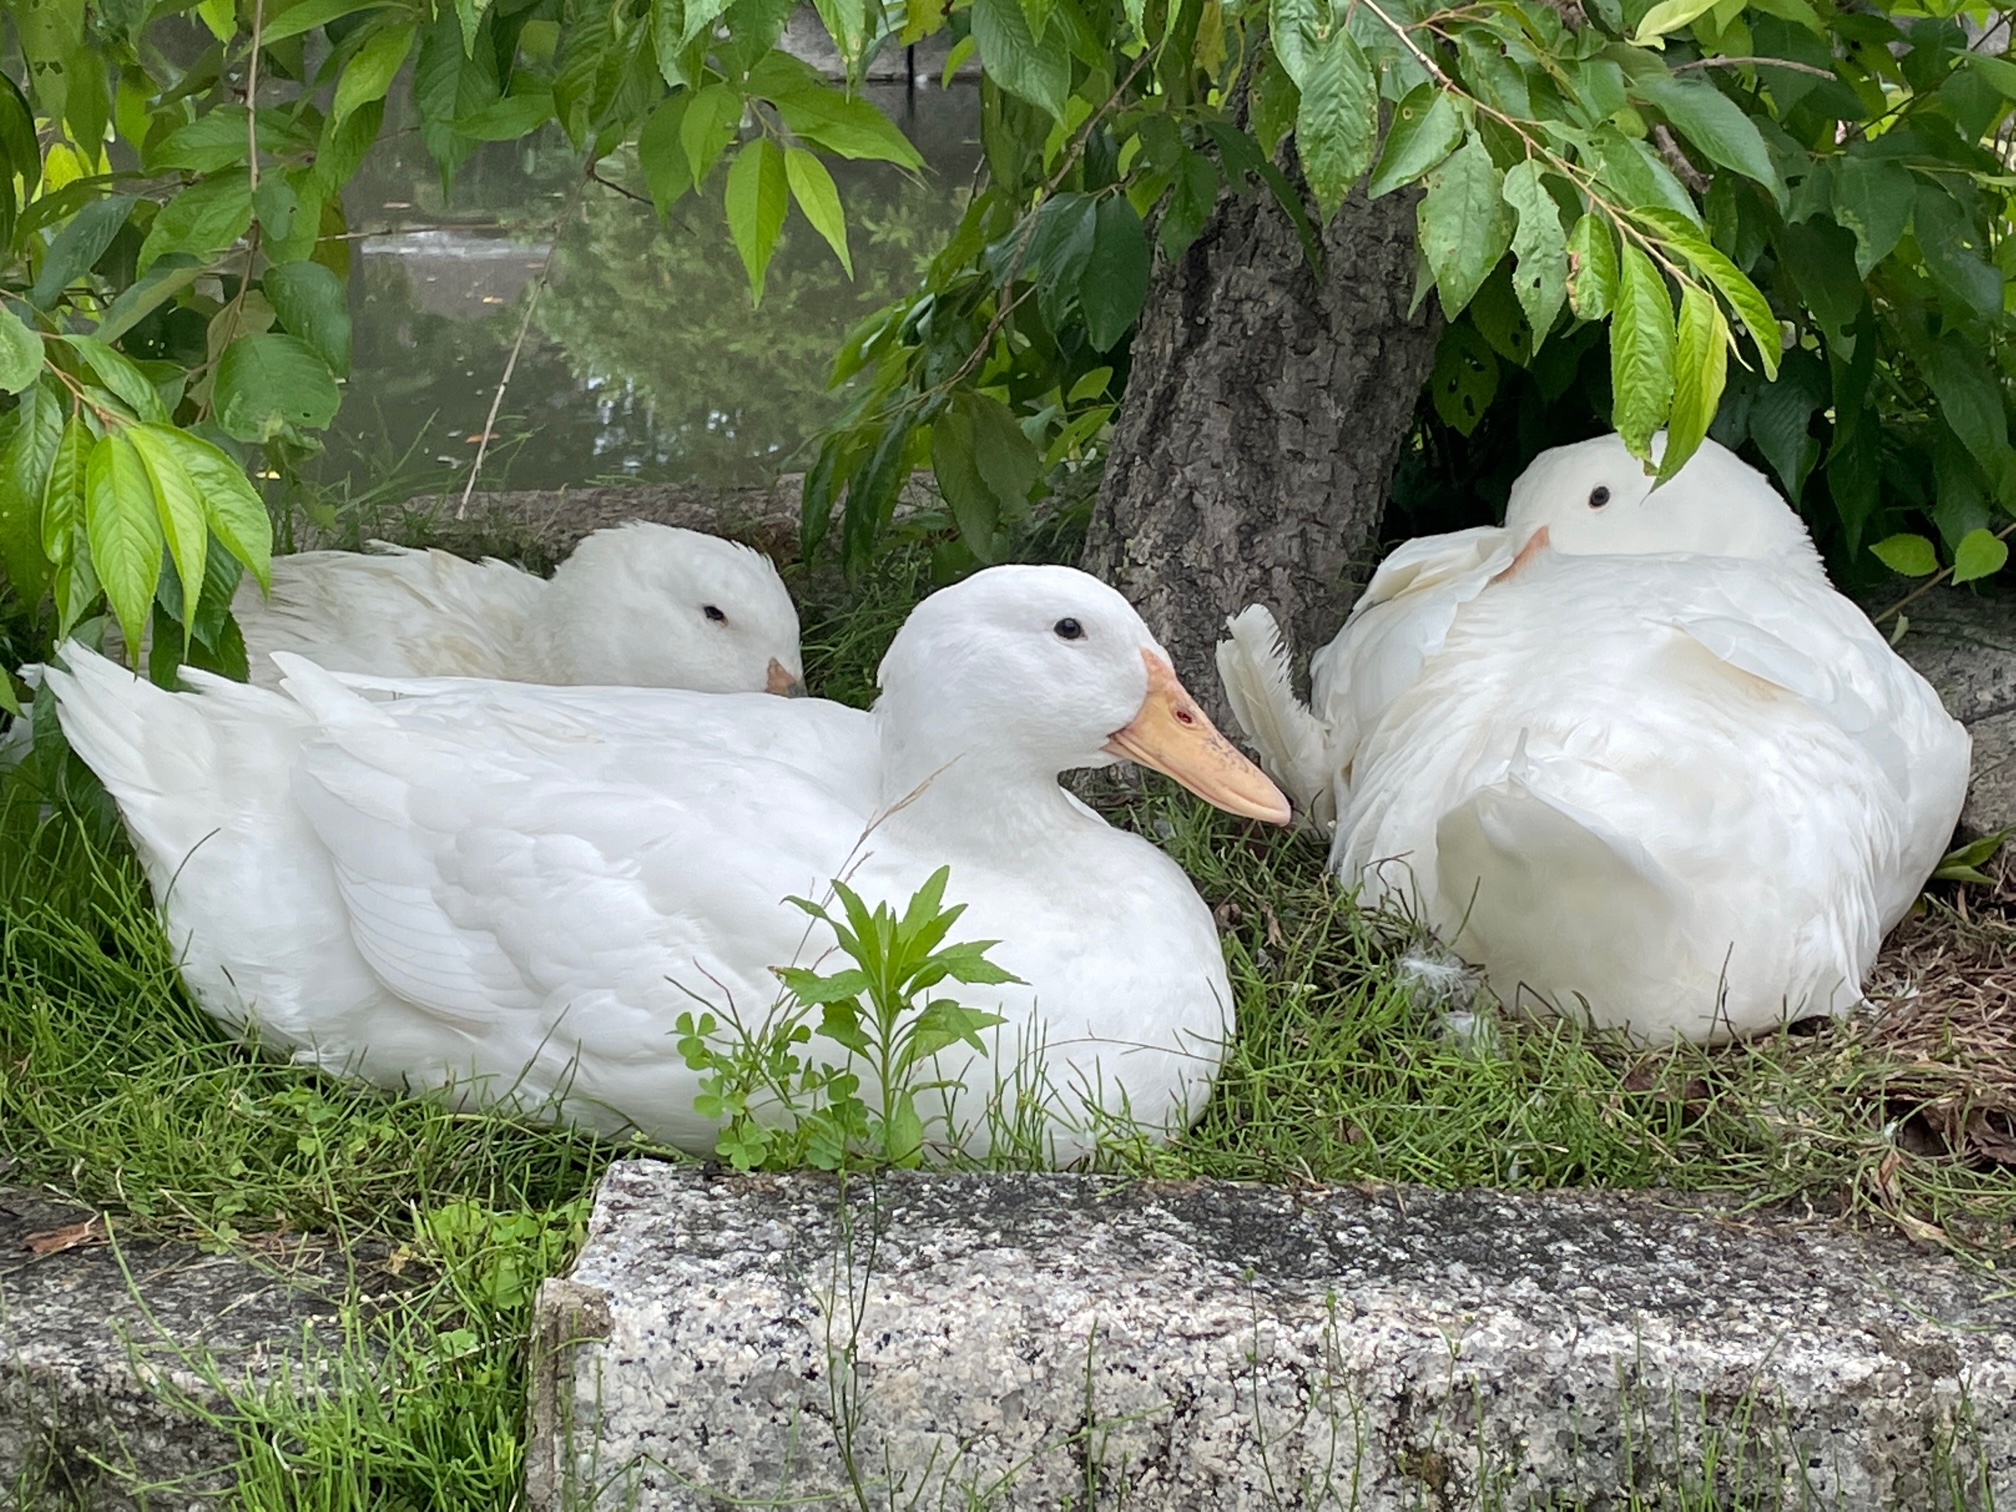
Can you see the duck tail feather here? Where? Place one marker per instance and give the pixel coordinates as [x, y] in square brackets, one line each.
[1292, 744]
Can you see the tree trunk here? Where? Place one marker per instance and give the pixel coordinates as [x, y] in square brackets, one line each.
[1263, 416]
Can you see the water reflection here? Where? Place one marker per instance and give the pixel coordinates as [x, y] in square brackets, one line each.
[644, 359]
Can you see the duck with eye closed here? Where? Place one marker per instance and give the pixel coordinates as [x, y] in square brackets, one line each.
[1630, 752]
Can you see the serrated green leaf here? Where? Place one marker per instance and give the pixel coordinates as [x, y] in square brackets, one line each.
[267, 384]
[370, 72]
[848, 126]
[1425, 129]
[20, 353]
[1873, 198]
[1337, 122]
[1714, 123]
[1641, 351]
[812, 187]
[1038, 71]
[184, 523]
[1979, 554]
[1743, 296]
[203, 219]
[707, 127]
[1114, 285]
[124, 530]
[1700, 368]
[1292, 27]
[311, 302]
[1592, 267]
[236, 514]
[1669, 16]
[1464, 224]
[756, 198]
[1540, 277]
[1912, 555]
[63, 495]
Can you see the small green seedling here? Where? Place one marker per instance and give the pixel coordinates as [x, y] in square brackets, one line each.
[1963, 863]
[878, 1009]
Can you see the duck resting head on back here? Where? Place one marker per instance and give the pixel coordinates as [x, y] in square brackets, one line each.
[729, 608]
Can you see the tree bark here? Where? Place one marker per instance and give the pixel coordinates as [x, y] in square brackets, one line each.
[1263, 416]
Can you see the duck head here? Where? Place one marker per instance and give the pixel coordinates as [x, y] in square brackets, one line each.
[1594, 498]
[1022, 672]
[645, 605]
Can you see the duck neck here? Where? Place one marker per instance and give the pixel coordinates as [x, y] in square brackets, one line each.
[970, 791]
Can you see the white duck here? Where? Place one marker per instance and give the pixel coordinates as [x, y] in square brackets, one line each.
[640, 605]
[513, 892]
[1631, 753]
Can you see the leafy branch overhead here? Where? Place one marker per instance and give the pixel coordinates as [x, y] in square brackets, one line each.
[1786, 221]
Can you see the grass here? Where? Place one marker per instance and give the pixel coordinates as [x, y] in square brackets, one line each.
[120, 1094]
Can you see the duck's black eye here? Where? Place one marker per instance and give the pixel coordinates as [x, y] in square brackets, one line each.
[715, 615]
[1070, 629]
[1598, 496]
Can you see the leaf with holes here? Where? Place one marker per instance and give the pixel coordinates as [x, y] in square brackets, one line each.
[756, 198]
[1641, 351]
[1540, 277]
[1464, 224]
[270, 384]
[124, 530]
[1465, 377]
[1592, 267]
[1425, 129]
[1337, 123]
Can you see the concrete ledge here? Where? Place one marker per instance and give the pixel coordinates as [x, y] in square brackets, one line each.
[1051, 1341]
[107, 1354]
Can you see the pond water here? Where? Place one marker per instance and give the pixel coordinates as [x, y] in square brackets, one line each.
[644, 359]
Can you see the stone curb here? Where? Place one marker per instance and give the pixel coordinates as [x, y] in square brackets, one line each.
[106, 1359]
[1043, 1341]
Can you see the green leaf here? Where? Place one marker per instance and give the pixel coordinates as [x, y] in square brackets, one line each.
[1191, 201]
[509, 119]
[667, 173]
[1669, 16]
[1962, 863]
[78, 246]
[1714, 123]
[1912, 555]
[1971, 404]
[1541, 276]
[985, 466]
[203, 219]
[25, 463]
[1592, 267]
[124, 530]
[1641, 351]
[1114, 284]
[237, 516]
[1979, 554]
[1292, 26]
[310, 14]
[756, 199]
[707, 127]
[699, 15]
[269, 384]
[1465, 377]
[221, 16]
[20, 353]
[1337, 123]
[1873, 198]
[1700, 368]
[370, 73]
[1425, 129]
[63, 498]
[1464, 224]
[1036, 71]
[184, 523]
[850, 127]
[311, 302]
[1951, 244]
[121, 375]
[812, 187]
